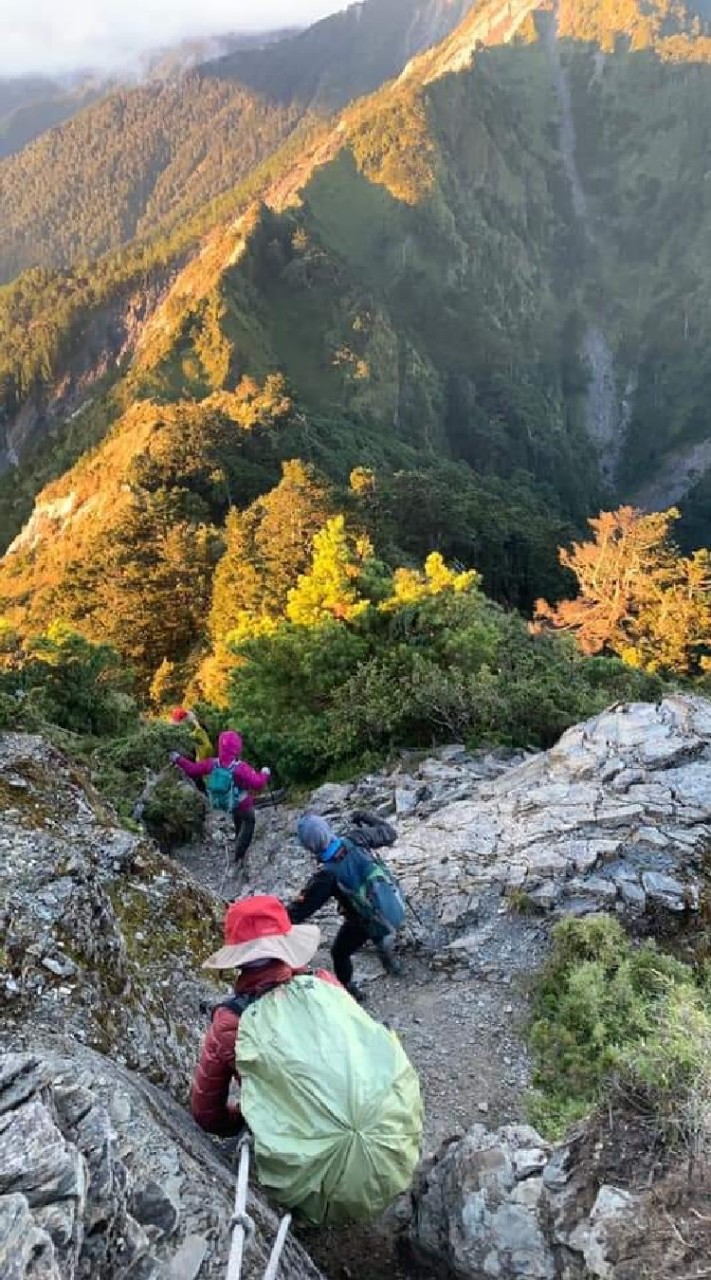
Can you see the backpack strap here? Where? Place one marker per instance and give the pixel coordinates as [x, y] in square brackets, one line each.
[238, 1004]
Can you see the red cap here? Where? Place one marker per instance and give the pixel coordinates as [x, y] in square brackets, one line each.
[260, 917]
[179, 714]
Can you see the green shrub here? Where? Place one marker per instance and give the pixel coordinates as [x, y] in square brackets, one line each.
[452, 665]
[175, 812]
[611, 1013]
[122, 767]
[62, 679]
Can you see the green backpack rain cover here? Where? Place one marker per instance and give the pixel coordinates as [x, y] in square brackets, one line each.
[331, 1099]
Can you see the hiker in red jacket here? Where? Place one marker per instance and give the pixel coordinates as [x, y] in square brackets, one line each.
[268, 950]
[243, 781]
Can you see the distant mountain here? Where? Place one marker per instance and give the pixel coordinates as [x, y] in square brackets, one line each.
[29, 105]
[146, 157]
[346, 55]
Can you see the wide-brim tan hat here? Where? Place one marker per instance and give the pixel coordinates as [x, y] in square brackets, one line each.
[295, 948]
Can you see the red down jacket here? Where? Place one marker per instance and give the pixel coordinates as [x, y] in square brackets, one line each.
[216, 1069]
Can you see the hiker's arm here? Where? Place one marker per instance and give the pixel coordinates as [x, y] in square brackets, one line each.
[213, 1076]
[316, 894]
[250, 779]
[194, 768]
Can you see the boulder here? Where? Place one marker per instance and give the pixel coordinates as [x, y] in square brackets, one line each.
[504, 1204]
[102, 1175]
[479, 1207]
[598, 1238]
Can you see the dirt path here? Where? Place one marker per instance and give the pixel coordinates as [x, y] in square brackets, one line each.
[460, 1021]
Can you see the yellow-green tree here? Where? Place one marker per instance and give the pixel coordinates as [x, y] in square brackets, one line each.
[411, 585]
[330, 588]
[267, 548]
[640, 598]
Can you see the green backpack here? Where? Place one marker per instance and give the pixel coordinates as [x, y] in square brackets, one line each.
[332, 1101]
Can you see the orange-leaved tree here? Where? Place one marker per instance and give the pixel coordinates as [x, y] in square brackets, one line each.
[639, 597]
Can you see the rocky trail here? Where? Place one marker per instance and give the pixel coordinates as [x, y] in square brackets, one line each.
[460, 1016]
[102, 1172]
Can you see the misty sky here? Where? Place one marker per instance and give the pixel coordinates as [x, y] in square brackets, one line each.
[62, 35]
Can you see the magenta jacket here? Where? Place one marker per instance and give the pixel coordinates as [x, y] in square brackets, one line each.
[246, 778]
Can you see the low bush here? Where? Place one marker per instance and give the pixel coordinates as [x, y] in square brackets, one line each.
[174, 812]
[617, 1017]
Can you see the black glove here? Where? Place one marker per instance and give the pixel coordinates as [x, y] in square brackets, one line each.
[362, 818]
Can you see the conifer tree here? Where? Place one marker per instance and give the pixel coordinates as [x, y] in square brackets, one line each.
[639, 597]
[267, 548]
[330, 588]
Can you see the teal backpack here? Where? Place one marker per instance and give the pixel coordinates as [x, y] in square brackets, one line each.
[220, 787]
[371, 888]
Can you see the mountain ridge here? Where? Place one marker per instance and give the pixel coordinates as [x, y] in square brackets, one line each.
[417, 279]
[150, 155]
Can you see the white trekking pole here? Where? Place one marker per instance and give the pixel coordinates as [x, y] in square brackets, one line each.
[275, 1258]
[242, 1224]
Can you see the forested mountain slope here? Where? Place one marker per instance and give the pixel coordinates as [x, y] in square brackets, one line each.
[148, 155]
[140, 157]
[403, 289]
[485, 284]
[348, 54]
[31, 104]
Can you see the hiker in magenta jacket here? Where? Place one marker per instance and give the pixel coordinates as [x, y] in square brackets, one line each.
[245, 777]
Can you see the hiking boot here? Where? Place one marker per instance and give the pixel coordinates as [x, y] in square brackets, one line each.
[389, 960]
[356, 992]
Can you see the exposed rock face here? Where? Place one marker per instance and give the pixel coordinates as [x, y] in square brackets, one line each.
[110, 336]
[504, 1205]
[102, 1175]
[102, 937]
[616, 817]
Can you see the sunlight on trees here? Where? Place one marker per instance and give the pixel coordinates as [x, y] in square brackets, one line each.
[639, 597]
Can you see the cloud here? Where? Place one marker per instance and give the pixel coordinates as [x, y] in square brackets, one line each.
[63, 35]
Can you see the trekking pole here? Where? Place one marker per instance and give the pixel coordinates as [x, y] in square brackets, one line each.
[275, 1256]
[242, 1225]
[271, 800]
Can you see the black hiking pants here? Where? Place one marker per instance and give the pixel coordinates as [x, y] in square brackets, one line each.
[350, 938]
[244, 831]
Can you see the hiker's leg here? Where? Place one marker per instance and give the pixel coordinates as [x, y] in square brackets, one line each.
[388, 958]
[244, 832]
[349, 939]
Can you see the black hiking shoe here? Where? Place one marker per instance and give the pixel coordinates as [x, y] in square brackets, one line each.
[389, 960]
[356, 992]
